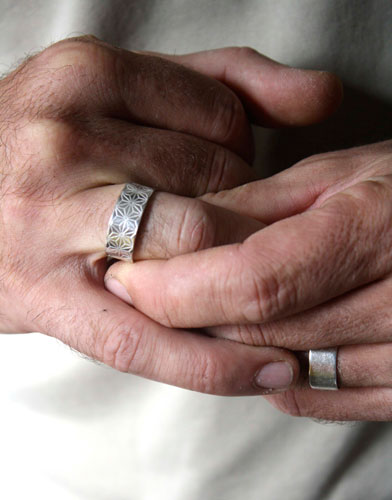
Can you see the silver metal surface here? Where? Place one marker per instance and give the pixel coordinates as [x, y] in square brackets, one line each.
[322, 369]
[125, 221]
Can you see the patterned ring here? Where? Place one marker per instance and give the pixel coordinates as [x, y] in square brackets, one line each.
[322, 369]
[125, 221]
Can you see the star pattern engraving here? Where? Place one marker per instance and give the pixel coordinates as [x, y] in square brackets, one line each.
[125, 220]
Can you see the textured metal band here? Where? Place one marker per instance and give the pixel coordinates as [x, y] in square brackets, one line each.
[125, 220]
[322, 369]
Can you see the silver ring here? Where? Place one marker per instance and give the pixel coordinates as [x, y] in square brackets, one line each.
[322, 369]
[125, 221]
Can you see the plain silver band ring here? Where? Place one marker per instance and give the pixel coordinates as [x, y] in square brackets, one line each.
[323, 369]
[125, 221]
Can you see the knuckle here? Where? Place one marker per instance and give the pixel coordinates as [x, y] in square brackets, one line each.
[260, 336]
[70, 52]
[268, 296]
[200, 167]
[122, 348]
[89, 38]
[244, 52]
[206, 377]
[351, 208]
[65, 73]
[190, 173]
[217, 167]
[249, 334]
[237, 53]
[47, 140]
[365, 192]
[374, 192]
[197, 227]
[228, 115]
[55, 75]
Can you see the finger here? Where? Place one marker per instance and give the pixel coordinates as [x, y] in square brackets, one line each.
[116, 152]
[365, 365]
[359, 317]
[92, 78]
[99, 325]
[307, 184]
[273, 93]
[287, 267]
[366, 404]
[171, 224]
[283, 195]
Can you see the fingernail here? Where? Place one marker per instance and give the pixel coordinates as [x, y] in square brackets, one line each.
[116, 288]
[278, 375]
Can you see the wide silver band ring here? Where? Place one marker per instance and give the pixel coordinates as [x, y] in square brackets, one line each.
[125, 221]
[323, 369]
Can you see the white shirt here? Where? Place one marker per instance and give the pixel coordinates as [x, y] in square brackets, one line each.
[74, 430]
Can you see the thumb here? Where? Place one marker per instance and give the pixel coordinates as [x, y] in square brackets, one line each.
[273, 94]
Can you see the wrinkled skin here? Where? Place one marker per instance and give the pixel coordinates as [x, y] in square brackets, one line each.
[318, 275]
[78, 121]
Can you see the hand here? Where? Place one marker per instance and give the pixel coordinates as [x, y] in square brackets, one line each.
[78, 121]
[319, 275]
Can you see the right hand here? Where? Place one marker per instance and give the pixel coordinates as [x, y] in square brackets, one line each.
[78, 121]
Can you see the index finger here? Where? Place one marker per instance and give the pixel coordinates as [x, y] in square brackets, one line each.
[99, 325]
[287, 267]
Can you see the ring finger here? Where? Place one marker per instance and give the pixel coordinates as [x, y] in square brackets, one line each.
[170, 224]
[364, 375]
[365, 365]
[366, 403]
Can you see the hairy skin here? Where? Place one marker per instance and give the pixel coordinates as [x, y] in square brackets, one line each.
[318, 274]
[82, 118]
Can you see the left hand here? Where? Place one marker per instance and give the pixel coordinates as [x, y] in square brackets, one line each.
[80, 119]
[319, 274]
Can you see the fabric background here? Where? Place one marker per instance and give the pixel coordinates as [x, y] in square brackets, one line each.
[74, 430]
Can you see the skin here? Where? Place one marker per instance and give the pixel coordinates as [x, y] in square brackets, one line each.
[317, 275]
[82, 118]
